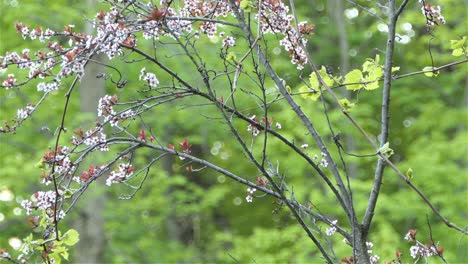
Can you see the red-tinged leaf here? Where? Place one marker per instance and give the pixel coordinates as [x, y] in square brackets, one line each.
[260, 181]
[142, 135]
[185, 146]
[171, 146]
[157, 14]
[101, 15]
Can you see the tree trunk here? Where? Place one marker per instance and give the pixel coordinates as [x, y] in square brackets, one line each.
[90, 222]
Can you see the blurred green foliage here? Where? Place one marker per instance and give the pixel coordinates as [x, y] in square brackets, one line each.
[202, 216]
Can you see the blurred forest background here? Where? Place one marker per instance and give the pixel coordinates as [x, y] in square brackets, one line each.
[202, 216]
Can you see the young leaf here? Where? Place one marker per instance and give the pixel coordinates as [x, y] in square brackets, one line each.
[458, 47]
[353, 80]
[71, 237]
[309, 93]
[246, 5]
[457, 44]
[429, 71]
[347, 105]
[409, 174]
[328, 79]
[373, 77]
[386, 150]
[313, 81]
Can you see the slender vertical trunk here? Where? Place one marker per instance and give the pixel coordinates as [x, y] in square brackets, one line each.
[336, 11]
[90, 222]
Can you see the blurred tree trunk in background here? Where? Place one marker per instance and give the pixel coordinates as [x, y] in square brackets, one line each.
[90, 221]
[337, 13]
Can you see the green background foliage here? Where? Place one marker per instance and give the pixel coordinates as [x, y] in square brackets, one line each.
[202, 216]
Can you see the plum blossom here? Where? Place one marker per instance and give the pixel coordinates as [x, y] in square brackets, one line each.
[149, 77]
[250, 192]
[332, 229]
[229, 42]
[432, 13]
[10, 81]
[47, 87]
[124, 171]
[253, 128]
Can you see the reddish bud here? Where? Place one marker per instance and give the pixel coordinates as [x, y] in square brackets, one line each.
[129, 41]
[33, 221]
[70, 55]
[440, 251]
[101, 15]
[260, 181]
[68, 28]
[306, 29]
[142, 135]
[157, 14]
[114, 99]
[412, 234]
[171, 146]
[185, 146]
[78, 132]
[18, 27]
[398, 255]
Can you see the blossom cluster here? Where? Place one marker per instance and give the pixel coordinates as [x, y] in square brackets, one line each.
[323, 160]
[94, 138]
[332, 229]
[124, 171]
[229, 42]
[432, 13]
[148, 77]
[274, 17]
[214, 9]
[23, 113]
[250, 192]
[373, 259]
[42, 201]
[422, 250]
[255, 128]
[60, 160]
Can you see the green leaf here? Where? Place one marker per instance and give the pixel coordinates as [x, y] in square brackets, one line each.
[429, 71]
[309, 93]
[386, 150]
[246, 5]
[231, 57]
[346, 104]
[395, 69]
[327, 79]
[71, 237]
[313, 81]
[368, 65]
[457, 44]
[353, 80]
[377, 59]
[457, 52]
[409, 173]
[371, 85]
[372, 79]
[68, 193]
